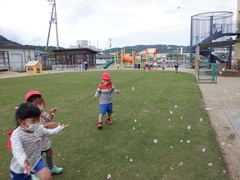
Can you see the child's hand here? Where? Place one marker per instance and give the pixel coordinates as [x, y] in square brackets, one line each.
[50, 125]
[28, 168]
[95, 97]
[118, 91]
[53, 110]
[63, 126]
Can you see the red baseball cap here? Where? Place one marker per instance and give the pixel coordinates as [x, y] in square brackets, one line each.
[31, 93]
[106, 76]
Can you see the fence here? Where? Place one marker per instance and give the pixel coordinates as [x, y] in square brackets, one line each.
[79, 67]
[207, 72]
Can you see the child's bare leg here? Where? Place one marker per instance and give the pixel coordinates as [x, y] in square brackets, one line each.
[108, 119]
[44, 174]
[100, 118]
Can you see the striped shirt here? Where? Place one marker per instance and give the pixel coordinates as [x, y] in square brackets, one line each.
[45, 142]
[105, 93]
[27, 146]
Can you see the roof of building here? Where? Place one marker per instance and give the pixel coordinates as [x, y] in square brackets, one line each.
[75, 49]
[16, 47]
[32, 63]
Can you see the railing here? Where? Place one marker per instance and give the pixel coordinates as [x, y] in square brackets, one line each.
[224, 29]
[68, 67]
[207, 72]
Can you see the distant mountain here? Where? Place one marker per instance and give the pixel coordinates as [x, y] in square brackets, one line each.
[161, 47]
[5, 41]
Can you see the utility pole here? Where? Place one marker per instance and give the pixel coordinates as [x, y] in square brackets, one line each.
[53, 19]
[110, 44]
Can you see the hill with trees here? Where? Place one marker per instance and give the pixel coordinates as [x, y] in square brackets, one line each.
[137, 48]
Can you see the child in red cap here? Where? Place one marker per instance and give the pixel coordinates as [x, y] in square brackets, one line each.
[105, 90]
[36, 98]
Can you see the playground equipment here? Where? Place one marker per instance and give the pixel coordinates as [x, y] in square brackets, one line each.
[149, 52]
[212, 30]
[128, 59]
[108, 64]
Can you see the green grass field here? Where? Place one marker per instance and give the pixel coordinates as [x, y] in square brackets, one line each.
[152, 105]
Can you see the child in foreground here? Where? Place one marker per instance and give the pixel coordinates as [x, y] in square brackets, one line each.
[105, 90]
[36, 98]
[25, 142]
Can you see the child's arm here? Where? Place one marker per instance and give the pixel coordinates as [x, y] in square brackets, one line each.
[97, 93]
[50, 132]
[50, 125]
[17, 149]
[116, 90]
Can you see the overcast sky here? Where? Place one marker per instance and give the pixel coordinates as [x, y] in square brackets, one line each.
[126, 22]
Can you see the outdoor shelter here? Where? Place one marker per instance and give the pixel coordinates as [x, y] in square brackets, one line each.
[75, 56]
[34, 67]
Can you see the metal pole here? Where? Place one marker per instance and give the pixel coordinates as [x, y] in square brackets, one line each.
[55, 6]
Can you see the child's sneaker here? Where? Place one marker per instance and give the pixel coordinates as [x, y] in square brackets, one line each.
[33, 177]
[109, 121]
[56, 170]
[100, 125]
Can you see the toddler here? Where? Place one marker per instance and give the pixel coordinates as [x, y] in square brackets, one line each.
[105, 90]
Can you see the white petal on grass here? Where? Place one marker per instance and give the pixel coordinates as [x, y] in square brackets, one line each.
[175, 106]
[169, 119]
[133, 88]
[135, 120]
[188, 141]
[130, 160]
[171, 112]
[201, 119]
[208, 109]
[181, 117]
[203, 150]
[210, 164]
[171, 147]
[155, 141]
[171, 168]
[180, 164]
[189, 127]
[133, 128]
[146, 149]
[181, 140]
[109, 176]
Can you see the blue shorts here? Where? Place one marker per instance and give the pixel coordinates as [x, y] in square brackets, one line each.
[40, 165]
[106, 108]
